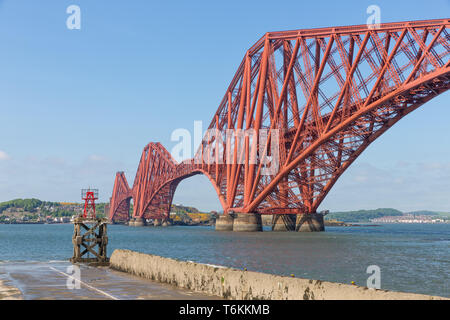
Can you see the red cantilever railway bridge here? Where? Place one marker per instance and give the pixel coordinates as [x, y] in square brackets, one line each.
[329, 92]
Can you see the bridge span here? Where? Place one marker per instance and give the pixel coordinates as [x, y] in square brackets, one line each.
[302, 106]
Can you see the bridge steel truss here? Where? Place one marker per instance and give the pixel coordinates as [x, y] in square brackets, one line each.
[328, 94]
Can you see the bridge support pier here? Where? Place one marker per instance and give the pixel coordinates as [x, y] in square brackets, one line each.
[310, 222]
[284, 222]
[224, 223]
[157, 222]
[131, 222]
[139, 222]
[167, 223]
[247, 222]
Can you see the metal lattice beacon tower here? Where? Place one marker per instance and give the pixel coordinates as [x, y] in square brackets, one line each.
[90, 232]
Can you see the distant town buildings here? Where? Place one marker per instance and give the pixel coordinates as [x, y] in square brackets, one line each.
[409, 218]
[32, 211]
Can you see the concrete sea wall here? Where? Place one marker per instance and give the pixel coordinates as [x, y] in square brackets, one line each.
[231, 283]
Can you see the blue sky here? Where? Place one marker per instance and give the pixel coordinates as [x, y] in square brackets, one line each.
[78, 105]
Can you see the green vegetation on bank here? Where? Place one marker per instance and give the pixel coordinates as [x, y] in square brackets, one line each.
[443, 215]
[190, 215]
[423, 213]
[362, 215]
[180, 209]
[35, 210]
[29, 205]
[100, 209]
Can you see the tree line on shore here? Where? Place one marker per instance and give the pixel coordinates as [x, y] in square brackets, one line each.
[25, 210]
[34, 210]
[368, 215]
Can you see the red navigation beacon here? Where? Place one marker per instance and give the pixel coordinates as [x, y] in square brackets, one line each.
[89, 196]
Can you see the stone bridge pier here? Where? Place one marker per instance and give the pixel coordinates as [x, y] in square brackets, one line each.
[252, 222]
[141, 222]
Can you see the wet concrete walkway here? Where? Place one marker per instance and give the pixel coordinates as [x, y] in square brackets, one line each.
[57, 280]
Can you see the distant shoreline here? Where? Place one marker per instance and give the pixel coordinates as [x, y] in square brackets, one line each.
[33, 223]
[327, 224]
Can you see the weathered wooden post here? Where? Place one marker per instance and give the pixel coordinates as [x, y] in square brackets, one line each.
[90, 237]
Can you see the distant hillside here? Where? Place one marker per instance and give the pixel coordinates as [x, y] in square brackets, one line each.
[180, 209]
[445, 215]
[430, 213]
[29, 205]
[362, 215]
[38, 210]
[35, 209]
[423, 213]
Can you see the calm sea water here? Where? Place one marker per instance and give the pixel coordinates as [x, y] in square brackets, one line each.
[412, 258]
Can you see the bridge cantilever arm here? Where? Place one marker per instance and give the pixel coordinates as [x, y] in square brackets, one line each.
[419, 63]
[285, 170]
[385, 67]
[311, 95]
[348, 80]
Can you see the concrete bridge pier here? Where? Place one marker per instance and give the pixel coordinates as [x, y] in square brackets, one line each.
[284, 222]
[310, 222]
[157, 222]
[247, 222]
[224, 223]
[136, 222]
[139, 222]
[167, 223]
